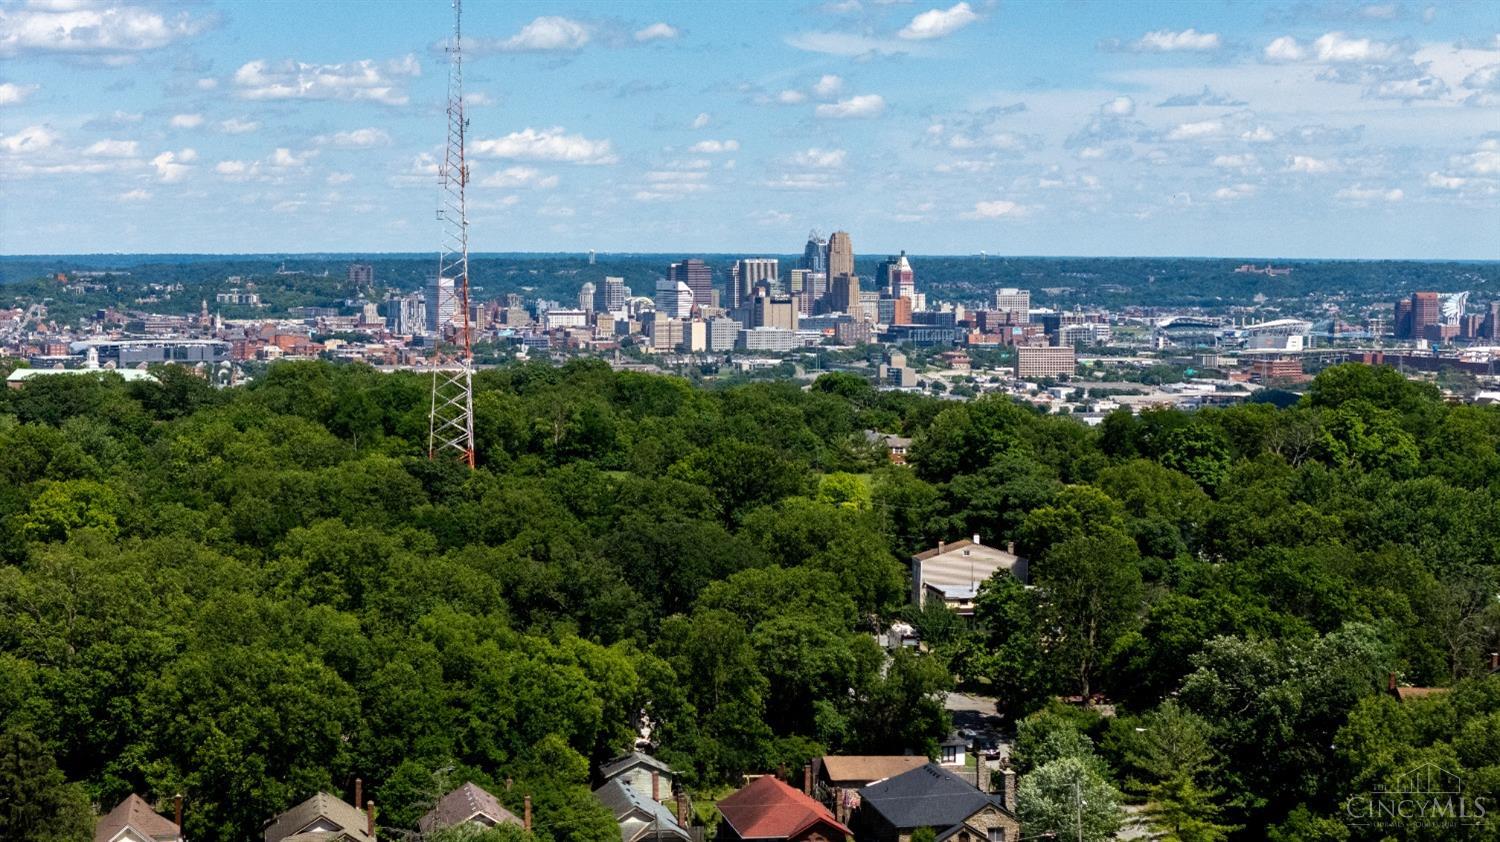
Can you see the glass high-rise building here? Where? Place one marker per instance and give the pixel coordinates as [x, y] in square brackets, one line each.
[815, 254]
[698, 277]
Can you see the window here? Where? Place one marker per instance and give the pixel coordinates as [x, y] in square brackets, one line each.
[950, 754]
[997, 834]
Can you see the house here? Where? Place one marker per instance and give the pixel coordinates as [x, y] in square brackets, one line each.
[133, 820]
[953, 572]
[649, 777]
[767, 809]
[471, 805]
[639, 817]
[1403, 693]
[931, 796]
[322, 818]
[855, 771]
[895, 445]
[952, 751]
[838, 779]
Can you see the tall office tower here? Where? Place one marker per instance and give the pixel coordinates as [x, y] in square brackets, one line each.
[586, 295]
[361, 275]
[699, 278]
[442, 304]
[1401, 319]
[748, 272]
[779, 311]
[843, 294]
[1426, 310]
[815, 254]
[408, 314]
[1491, 328]
[610, 298]
[896, 279]
[840, 255]
[1017, 302]
[674, 298]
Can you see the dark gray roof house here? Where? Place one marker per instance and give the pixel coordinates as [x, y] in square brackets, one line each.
[931, 796]
[469, 804]
[639, 817]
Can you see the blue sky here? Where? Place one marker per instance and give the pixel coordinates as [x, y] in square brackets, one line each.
[1309, 129]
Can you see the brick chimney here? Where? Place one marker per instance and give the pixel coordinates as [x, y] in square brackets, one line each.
[1390, 682]
[526, 818]
[807, 787]
[975, 539]
[1494, 661]
[682, 808]
[1008, 788]
[177, 809]
[941, 547]
[656, 786]
[359, 792]
[979, 766]
[1010, 547]
[370, 818]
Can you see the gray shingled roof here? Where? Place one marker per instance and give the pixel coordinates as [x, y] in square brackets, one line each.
[623, 801]
[928, 796]
[463, 804]
[628, 761]
[293, 822]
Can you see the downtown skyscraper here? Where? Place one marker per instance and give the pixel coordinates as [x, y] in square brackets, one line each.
[840, 255]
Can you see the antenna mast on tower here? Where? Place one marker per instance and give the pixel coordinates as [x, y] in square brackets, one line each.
[451, 422]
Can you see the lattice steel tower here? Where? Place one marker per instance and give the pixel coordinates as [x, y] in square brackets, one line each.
[451, 423]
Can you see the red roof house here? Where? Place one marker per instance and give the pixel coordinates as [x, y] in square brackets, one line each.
[769, 809]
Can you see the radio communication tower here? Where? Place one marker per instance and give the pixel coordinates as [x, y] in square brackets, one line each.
[451, 422]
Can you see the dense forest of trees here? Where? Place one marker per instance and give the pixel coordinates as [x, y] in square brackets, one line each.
[249, 595]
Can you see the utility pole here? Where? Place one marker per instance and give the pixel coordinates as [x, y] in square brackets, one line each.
[450, 430]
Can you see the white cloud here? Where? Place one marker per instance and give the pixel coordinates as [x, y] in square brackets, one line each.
[1259, 134]
[520, 176]
[935, 23]
[339, 178]
[365, 80]
[137, 195]
[1168, 41]
[846, 44]
[1236, 191]
[478, 99]
[235, 125]
[657, 32]
[1236, 162]
[548, 33]
[207, 83]
[285, 158]
[1196, 131]
[863, 105]
[995, 209]
[13, 94]
[553, 144]
[355, 139]
[113, 149]
[1445, 182]
[186, 121]
[1284, 49]
[715, 146]
[820, 158]
[1483, 161]
[791, 97]
[702, 120]
[1337, 47]
[828, 85]
[802, 181]
[1365, 195]
[29, 139]
[1120, 106]
[172, 167]
[232, 168]
[109, 31]
[1424, 87]
[1309, 165]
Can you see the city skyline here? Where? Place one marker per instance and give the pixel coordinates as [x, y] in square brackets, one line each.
[1193, 129]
